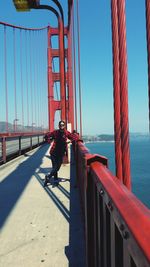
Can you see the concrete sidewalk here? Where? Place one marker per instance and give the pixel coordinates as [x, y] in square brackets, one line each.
[39, 226]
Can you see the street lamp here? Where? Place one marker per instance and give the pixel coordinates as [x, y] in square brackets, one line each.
[25, 5]
[33, 123]
[15, 124]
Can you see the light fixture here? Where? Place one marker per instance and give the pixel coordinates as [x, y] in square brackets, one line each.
[25, 5]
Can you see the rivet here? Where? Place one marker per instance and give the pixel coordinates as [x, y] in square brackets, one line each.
[101, 191]
[110, 205]
[126, 235]
[121, 227]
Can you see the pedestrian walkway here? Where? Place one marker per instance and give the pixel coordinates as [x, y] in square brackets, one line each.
[39, 226]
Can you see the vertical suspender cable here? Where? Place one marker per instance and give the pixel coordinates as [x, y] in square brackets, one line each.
[124, 94]
[31, 81]
[34, 80]
[6, 85]
[40, 92]
[70, 74]
[21, 76]
[15, 91]
[80, 97]
[147, 6]
[42, 89]
[74, 69]
[27, 85]
[116, 85]
[36, 77]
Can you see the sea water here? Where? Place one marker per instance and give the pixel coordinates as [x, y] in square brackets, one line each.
[140, 164]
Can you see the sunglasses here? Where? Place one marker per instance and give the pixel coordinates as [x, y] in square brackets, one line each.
[61, 124]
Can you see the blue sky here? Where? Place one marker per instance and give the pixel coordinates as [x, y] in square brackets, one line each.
[96, 60]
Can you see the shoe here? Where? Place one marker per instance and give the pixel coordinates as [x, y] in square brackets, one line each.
[56, 176]
[56, 181]
[46, 180]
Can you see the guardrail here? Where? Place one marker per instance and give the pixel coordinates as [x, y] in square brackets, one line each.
[13, 145]
[117, 224]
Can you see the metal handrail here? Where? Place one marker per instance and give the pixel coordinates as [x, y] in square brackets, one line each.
[117, 224]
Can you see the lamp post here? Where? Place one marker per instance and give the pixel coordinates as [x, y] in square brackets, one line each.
[33, 124]
[15, 124]
[26, 5]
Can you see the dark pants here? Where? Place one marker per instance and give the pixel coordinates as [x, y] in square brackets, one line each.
[56, 164]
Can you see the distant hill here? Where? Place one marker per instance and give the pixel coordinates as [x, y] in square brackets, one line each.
[20, 128]
[110, 137]
[98, 138]
[3, 127]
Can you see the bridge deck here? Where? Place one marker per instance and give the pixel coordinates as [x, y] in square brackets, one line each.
[39, 227]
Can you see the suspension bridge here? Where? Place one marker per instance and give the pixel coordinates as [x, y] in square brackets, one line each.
[91, 218]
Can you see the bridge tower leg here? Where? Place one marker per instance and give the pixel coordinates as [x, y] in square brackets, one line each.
[66, 106]
[70, 105]
[53, 77]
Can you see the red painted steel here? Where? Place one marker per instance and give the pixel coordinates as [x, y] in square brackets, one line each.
[124, 93]
[116, 84]
[70, 82]
[83, 158]
[27, 82]
[74, 71]
[4, 149]
[50, 84]
[21, 79]
[109, 209]
[15, 88]
[11, 134]
[53, 77]
[62, 71]
[60, 32]
[105, 200]
[147, 4]
[6, 138]
[79, 72]
[31, 81]
[22, 28]
[66, 110]
[134, 213]
[6, 83]
[70, 3]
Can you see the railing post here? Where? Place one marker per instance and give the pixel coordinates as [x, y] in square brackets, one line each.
[91, 206]
[30, 142]
[19, 145]
[4, 149]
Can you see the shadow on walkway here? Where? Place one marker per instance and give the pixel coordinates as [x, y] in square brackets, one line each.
[53, 196]
[75, 252]
[14, 184]
[76, 249]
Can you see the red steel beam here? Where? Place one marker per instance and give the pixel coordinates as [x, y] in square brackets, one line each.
[128, 206]
[61, 62]
[108, 203]
[50, 84]
[70, 82]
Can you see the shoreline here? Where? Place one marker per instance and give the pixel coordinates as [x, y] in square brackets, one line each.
[103, 141]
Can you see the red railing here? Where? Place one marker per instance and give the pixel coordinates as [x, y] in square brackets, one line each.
[117, 224]
[15, 144]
